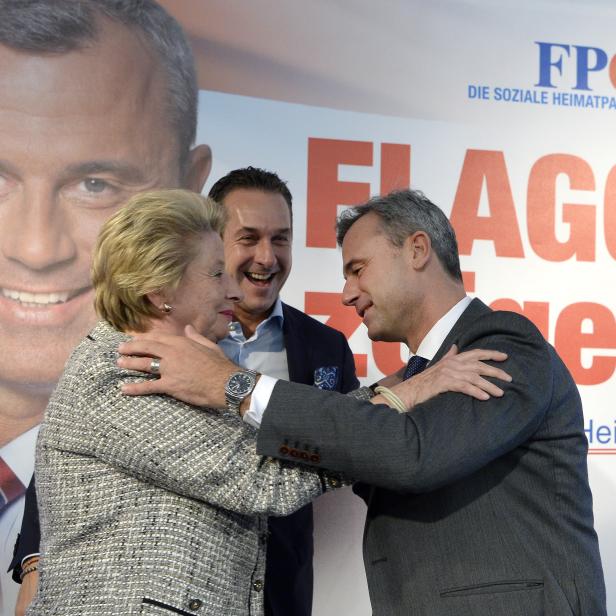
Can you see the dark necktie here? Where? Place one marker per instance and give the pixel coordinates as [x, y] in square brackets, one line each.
[11, 487]
[415, 366]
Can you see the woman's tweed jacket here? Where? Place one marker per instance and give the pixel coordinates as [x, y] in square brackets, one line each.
[149, 505]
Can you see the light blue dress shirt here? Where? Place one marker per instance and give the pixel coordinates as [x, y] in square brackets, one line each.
[264, 351]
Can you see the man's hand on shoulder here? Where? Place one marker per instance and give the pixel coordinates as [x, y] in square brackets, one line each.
[190, 368]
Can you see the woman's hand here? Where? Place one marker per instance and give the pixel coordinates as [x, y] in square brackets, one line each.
[460, 372]
[29, 585]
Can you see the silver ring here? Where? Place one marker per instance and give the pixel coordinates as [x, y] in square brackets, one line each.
[155, 366]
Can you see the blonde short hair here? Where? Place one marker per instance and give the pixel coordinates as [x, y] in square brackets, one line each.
[145, 248]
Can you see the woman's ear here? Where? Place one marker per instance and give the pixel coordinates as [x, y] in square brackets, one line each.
[160, 301]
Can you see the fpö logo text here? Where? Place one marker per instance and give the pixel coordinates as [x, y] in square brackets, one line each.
[573, 66]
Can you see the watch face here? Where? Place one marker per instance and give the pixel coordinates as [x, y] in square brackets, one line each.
[240, 384]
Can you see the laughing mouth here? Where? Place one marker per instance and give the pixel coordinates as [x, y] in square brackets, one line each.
[256, 277]
[39, 300]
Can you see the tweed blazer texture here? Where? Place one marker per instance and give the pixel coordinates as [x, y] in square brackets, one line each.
[149, 505]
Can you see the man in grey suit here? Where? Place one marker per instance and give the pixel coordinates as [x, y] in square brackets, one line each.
[475, 507]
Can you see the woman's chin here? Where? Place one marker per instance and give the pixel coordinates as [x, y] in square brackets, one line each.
[213, 335]
[216, 337]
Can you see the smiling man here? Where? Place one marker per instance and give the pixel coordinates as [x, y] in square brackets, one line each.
[272, 337]
[97, 102]
[258, 239]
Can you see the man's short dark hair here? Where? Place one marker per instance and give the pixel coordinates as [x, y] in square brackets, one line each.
[403, 212]
[61, 26]
[251, 178]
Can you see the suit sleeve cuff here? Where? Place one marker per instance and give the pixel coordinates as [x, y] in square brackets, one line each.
[259, 400]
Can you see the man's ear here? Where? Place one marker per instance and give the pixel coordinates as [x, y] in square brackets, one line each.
[198, 168]
[419, 249]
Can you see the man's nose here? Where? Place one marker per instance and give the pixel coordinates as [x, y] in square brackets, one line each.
[349, 293]
[34, 230]
[264, 254]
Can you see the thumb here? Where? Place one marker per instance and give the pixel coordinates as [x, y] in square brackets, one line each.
[452, 351]
[192, 334]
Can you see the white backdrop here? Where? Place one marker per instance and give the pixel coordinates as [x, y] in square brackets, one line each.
[527, 181]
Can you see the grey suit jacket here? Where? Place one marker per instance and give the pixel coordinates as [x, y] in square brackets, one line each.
[480, 508]
[149, 505]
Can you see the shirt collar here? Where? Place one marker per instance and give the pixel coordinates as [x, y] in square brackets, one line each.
[275, 319]
[277, 311]
[436, 336]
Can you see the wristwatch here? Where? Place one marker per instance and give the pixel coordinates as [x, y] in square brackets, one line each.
[239, 385]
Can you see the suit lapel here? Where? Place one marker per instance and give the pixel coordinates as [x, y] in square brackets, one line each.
[474, 310]
[299, 352]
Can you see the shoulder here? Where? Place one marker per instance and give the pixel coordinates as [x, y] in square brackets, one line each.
[295, 319]
[480, 327]
[97, 352]
[505, 320]
[92, 367]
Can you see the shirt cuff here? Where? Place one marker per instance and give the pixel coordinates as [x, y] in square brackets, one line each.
[259, 400]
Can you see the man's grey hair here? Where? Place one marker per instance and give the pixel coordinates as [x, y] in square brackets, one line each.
[62, 26]
[403, 212]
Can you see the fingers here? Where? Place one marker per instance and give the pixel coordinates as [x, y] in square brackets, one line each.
[474, 361]
[488, 387]
[192, 334]
[480, 389]
[483, 355]
[474, 392]
[452, 351]
[139, 364]
[143, 346]
[143, 388]
[493, 371]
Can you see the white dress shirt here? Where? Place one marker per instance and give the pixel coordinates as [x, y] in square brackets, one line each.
[440, 330]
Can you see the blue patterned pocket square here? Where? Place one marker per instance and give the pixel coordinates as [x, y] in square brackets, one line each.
[326, 377]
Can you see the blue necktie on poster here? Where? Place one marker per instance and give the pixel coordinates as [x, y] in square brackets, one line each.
[11, 487]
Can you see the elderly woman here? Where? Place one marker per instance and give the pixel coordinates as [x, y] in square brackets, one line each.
[149, 505]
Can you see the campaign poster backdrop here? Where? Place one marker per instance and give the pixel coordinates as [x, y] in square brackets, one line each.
[503, 114]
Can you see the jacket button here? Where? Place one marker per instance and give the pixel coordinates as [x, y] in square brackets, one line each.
[257, 585]
[195, 604]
